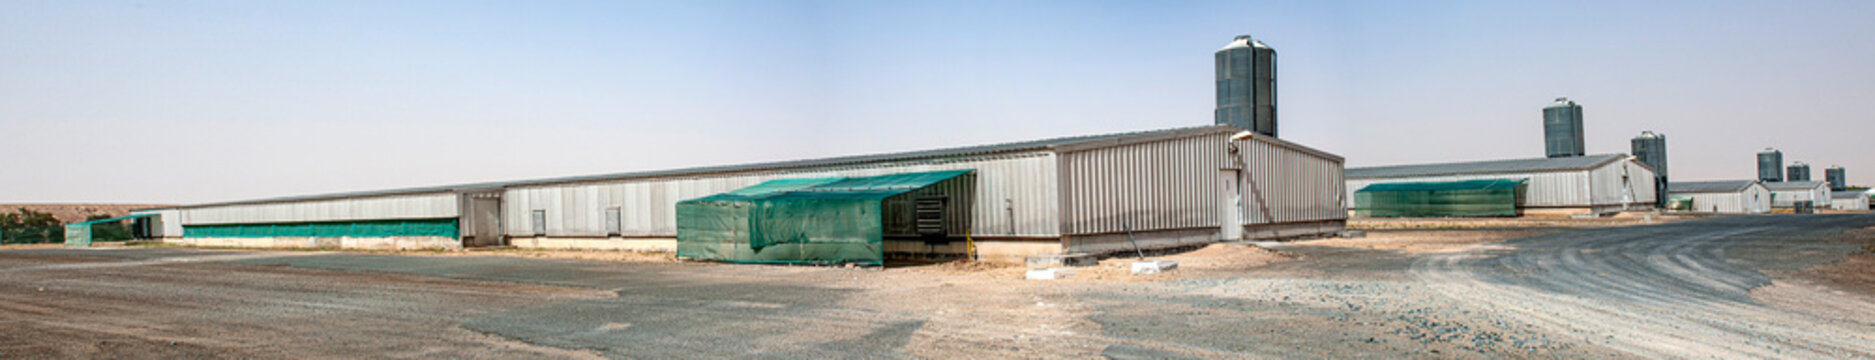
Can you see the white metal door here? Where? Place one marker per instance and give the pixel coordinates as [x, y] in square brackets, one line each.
[1230, 206]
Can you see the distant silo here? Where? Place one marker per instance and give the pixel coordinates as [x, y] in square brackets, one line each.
[1651, 149]
[1799, 171]
[1770, 165]
[1838, 181]
[1246, 86]
[1562, 128]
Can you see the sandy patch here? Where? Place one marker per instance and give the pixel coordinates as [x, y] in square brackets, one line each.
[595, 255]
[1209, 259]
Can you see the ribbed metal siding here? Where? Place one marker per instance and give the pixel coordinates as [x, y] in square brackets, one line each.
[901, 210]
[1856, 203]
[1752, 200]
[1168, 184]
[1570, 188]
[1837, 178]
[1022, 184]
[1173, 184]
[421, 206]
[1771, 165]
[1610, 189]
[1787, 198]
[1293, 185]
[1562, 129]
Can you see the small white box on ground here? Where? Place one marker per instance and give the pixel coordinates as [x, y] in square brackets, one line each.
[1050, 274]
[1153, 267]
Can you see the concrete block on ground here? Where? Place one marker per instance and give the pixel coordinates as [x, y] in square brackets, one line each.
[1269, 244]
[1062, 260]
[1352, 234]
[1050, 274]
[1153, 267]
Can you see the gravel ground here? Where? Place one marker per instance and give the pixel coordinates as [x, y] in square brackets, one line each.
[1791, 286]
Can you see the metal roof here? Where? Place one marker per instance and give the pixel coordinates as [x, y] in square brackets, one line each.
[1709, 186]
[1244, 41]
[1794, 185]
[1483, 184]
[1847, 194]
[1072, 143]
[1573, 163]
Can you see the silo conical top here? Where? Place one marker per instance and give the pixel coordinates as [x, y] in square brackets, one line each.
[1243, 42]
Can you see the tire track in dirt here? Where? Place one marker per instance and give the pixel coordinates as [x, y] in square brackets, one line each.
[1656, 291]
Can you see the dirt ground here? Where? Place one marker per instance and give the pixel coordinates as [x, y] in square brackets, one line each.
[30, 246]
[1210, 260]
[1824, 290]
[1684, 290]
[595, 255]
[1624, 219]
[1428, 241]
[102, 309]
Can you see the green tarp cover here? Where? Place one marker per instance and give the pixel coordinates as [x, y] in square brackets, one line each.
[380, 228]
[1490, 197]
[78, 234]
[809, 220]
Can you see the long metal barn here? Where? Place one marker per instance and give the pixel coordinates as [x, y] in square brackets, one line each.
[1575, 185]
[1065, 196]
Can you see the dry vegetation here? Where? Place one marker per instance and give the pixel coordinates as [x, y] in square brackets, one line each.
[78, 212]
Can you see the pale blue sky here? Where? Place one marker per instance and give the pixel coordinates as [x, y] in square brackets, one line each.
[196, 101]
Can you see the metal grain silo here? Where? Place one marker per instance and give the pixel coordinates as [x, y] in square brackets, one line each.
[1837, 178]
[1798, 171]
[1246, 86]
[1770, 165]
[1562, 128]
[1651, 149]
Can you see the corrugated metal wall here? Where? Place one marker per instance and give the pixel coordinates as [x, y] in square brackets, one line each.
[1856, 203]
[901, 211]
[1789, 198]
[1753, 200]
[1175, 184]
[1623, 182]
[1160, 185]
[1293, 185]
[1545, 189]
[1021, 184]
[419, 206]
[1599, 186]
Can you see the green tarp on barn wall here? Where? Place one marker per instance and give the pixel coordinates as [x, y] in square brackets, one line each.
[381, 228]
[811, 220]
[1491, 197]
[79, 234]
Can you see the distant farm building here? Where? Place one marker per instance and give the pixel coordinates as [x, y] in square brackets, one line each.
[1469, 198]
[1726, 197]
[1075, 195]
[1799, 194]
[1594, 184]
[1849, 200]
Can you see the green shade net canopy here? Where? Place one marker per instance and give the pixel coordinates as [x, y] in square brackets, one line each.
[1469, 198]
[807, 220]
[445, 227]
[79, 234]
